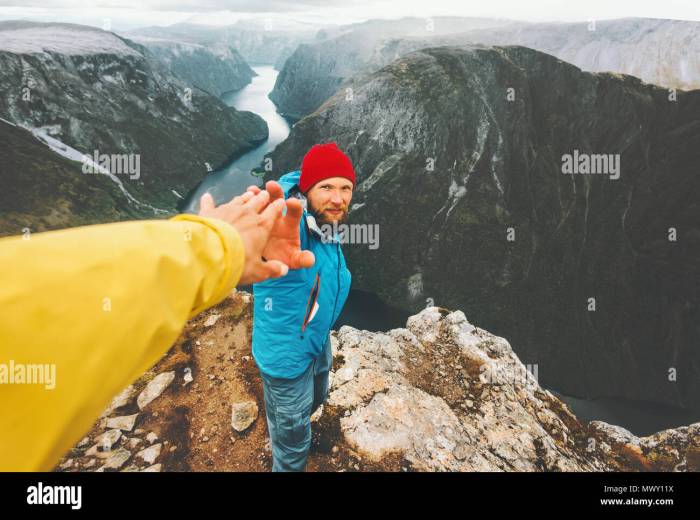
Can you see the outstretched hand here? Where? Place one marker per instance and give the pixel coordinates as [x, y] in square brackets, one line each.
[284, 243]
[265, 232]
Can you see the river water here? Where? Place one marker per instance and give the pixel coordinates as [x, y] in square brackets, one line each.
[235, 177]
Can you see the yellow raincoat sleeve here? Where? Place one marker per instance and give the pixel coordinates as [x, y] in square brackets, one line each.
[98, 305]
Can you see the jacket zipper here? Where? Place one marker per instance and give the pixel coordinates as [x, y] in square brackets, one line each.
[313, 296]
[336, 292]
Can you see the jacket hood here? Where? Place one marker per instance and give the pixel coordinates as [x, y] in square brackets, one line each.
[288, 181]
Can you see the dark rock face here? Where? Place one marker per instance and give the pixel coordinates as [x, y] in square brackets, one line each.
[663, 52]
[40, 190]
[464, 178]
[93, 90]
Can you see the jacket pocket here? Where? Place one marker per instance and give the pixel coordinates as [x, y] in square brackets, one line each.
[311, 301]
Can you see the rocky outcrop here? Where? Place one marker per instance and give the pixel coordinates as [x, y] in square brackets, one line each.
[438, 395]
[90, 90]
[460, 155]
[663, 52]
[216, 70]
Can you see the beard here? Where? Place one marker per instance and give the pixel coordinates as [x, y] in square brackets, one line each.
[325, 218]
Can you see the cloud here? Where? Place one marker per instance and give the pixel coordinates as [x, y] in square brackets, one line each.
[192, 6]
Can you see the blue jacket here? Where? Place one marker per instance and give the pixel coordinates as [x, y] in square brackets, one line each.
[293, 314]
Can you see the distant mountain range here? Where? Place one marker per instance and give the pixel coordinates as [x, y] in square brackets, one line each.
[663, 52]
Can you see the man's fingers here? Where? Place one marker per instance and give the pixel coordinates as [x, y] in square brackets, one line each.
[272, 212]
[294, 209]
[259, 201]
[241, 199]
[274, 269]
[302, 260]
[206, 202]
[254, 189]
[275, 190]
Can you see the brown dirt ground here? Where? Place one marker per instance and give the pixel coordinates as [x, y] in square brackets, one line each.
[194, 421]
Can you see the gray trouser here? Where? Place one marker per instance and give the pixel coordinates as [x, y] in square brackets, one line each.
[289, 404]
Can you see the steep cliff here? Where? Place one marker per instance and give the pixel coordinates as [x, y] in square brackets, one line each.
[43, 190]
[460, 157]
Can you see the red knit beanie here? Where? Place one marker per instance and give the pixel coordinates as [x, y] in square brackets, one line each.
[323, 161]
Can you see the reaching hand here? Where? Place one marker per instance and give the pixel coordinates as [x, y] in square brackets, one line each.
[284, 243]
[256, 217]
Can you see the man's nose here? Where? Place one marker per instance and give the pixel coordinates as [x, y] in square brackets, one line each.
[336, 198]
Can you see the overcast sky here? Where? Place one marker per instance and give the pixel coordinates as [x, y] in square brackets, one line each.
[127, 14]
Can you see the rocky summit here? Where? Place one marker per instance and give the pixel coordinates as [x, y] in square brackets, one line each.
[440, 394]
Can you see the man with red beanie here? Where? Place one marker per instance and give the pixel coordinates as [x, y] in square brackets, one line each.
[293, 315]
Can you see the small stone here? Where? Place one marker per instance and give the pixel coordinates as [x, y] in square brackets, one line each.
[211, 320]
[153, 469]
[121, 399]
[108, 439]
[84, 442]
[89, 463]
[154, 388]
[151, 437]
[188, 376]
[243, 414]
[124, 422]
[116, 459]
[150, 454]
[134, 442]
